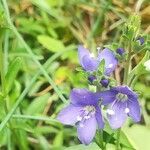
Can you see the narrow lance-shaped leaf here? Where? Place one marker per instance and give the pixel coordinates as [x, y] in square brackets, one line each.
[12, 73]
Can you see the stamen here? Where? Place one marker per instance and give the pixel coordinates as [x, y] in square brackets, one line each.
[122, 97]
[92, 55]
[127, 110]
[110, 65]
[79, 118]
[87, 117]
[110, 112]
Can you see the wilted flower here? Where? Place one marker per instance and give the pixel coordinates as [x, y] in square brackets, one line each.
[90, 63]
[83, 112]
[122, 102]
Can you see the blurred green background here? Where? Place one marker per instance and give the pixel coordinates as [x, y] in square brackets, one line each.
[53, 29]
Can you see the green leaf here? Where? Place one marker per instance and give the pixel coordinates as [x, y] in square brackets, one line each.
[101, 67]
[111, 137]
[92, 146]
[58, 141]
[51, 44]
[140, 135]
[62, 73]
[126, 141]
[38, 105]
[12, 73]
[139, 69]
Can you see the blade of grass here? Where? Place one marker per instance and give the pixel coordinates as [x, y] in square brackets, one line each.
[42, 118]
[6, 43]
[29, 50]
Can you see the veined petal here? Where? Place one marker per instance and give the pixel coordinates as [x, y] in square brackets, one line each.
[116, 115]
[110, 60]
[134, 110]
[82, 52]
[99, 118]
[86, 130]
[88, 62]
[107, 96]
[69, 114]
[83, 97]
[126, 90]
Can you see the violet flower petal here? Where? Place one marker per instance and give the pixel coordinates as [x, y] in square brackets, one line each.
[83, 97]
[88, 62]
[118, 117]
[99, 118]
[69, 115]
[107, 96]
[134, 110]
[125, 90]
[110, 60]
[86, 130]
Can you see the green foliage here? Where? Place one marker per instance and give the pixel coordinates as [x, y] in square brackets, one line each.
[12, 72]
[139, 131]
[40, 54]
[51, 44]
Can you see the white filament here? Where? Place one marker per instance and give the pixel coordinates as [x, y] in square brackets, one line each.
[79, 118]
[127, 110]
[110, 112]
[110, 65]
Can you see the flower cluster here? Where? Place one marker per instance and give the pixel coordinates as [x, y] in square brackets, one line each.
[85, 111]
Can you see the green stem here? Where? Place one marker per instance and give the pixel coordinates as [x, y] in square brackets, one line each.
[42, 118]
[127, 68]
[125, 81]
[101, 139]
[2, 69]
[118, 140]
[2, 74]
[6, 47]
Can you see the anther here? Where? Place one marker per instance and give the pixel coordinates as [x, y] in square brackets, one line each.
[110, 112]
[127, 110]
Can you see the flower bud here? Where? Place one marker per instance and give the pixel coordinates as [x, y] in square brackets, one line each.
[104, 82]
[91, 78]
[120, 51]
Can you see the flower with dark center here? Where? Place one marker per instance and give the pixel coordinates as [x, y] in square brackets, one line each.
[120, 51]
[122, 102]
[104, 82]
[141, 40]
[90, 63]
[84, 113]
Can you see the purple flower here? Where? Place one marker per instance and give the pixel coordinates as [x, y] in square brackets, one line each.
[120, 51]
[122, 102]
[87, 60]
[83, 112]
[90, 63]
[110, 60]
